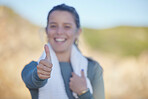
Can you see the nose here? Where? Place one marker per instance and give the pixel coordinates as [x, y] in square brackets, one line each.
[60, 31]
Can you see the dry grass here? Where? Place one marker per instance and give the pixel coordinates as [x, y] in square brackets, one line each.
[124, 77]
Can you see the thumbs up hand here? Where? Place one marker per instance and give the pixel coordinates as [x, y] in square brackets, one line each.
[78, 84]
[45, 66]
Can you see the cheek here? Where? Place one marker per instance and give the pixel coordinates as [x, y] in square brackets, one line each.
[72, 33]
[73, 37]
[50, 34]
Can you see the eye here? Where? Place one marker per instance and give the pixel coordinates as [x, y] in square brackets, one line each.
[53, 26]
[67, 27]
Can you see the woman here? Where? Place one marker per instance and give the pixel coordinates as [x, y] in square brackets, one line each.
[62, 72]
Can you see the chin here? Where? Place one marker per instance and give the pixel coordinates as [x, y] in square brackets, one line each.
[60, 50]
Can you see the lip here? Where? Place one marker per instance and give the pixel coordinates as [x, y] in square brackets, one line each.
[60, 40]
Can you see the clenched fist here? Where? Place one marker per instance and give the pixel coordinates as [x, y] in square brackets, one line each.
[45, 66]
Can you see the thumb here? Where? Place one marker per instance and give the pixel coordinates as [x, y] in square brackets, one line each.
[47, 52]
[82, 73]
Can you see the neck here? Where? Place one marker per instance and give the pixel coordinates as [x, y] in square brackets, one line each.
[63, 56]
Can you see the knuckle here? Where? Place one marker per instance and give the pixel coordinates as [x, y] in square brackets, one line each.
[50, 69]
[41, 61]
[38, 66]
[49, 76]
[51, 64]
[46, 59]
[48, 73]
[44, 68]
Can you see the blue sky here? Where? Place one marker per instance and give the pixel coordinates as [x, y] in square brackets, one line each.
[93, 13]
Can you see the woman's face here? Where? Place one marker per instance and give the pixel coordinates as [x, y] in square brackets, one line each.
[61, 31]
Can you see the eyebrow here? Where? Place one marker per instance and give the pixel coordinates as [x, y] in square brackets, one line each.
[52, 22]
[56, 23]
[68, 23]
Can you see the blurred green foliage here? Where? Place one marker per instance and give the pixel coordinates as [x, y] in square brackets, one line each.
[122, 40]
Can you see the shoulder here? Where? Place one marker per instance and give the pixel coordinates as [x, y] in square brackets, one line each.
[94, 64]
[94, 68]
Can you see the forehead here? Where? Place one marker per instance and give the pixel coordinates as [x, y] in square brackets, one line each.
[61, 16]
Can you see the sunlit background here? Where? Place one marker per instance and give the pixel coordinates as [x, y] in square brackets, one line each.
[115, 33]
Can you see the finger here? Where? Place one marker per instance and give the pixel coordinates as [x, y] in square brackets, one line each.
[44, 68]
[43, 72]
[45, 63]
[82, 73]
[73, 74]
[47, 52]
[41, 76]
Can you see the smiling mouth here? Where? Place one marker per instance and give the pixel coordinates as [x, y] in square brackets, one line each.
[60, 39]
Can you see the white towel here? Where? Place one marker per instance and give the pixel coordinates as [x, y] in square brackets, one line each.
[54, 88]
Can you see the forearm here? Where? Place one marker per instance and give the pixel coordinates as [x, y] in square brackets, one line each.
[86, 95]
[30, 77]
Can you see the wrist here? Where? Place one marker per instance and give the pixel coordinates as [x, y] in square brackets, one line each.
[83, 92]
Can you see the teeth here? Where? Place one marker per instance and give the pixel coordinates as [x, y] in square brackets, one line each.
[60, 40]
